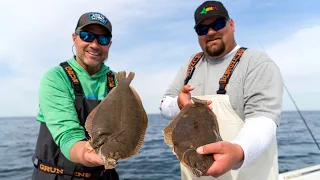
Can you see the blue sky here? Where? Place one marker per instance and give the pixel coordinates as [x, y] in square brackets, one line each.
[153, 38]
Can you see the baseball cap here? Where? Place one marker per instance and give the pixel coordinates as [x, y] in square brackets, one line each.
[208, 9]
[94, 18]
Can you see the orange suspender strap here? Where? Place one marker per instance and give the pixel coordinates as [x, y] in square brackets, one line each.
[76, 83]
[226, 77]
[192, 66]
[110, 78]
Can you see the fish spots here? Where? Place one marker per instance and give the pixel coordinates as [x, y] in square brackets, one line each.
[195, 126]
[118, 123]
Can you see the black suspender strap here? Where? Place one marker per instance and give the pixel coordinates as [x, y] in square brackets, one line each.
[73, 79]
[76, 83]
[192, 66]
[226, 77]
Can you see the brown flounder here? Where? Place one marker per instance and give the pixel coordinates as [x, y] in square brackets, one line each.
[117, 126]
[196, 125]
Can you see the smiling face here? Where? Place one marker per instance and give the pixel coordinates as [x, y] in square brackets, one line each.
[90, 55]
[217, 43]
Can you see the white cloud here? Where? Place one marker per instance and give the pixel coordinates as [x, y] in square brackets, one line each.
[37, 36]
[297, 58]
[297, 54]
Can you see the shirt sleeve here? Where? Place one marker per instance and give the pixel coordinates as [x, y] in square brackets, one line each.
[169, 105]
[254, 138]
[57, 105]
[263, 89]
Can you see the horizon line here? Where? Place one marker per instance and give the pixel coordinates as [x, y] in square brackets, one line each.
[2, 117]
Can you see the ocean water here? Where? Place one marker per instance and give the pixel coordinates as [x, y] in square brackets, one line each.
[18, 137]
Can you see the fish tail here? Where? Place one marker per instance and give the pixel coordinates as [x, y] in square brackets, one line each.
[198, 101]
[122, 79]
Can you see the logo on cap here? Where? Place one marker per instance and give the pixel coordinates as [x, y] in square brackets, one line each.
[207, 9]
[98, 17]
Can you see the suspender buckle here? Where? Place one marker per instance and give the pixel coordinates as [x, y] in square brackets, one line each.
[221, 91]
[36, 162]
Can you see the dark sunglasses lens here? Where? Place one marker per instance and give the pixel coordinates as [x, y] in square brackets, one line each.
[103, 40]
[202, 30]
[218, 24]
[86, 36]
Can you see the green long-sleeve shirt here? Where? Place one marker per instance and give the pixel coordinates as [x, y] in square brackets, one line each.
[56, 102]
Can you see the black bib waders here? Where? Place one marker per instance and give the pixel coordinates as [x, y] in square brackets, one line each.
[48, 160]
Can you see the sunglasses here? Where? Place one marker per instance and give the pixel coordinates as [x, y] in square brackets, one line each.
[216, 25]
[89, 37]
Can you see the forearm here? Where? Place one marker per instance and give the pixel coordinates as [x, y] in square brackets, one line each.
[83, 153]
[254, 138]
[77, 152]
[64, 127]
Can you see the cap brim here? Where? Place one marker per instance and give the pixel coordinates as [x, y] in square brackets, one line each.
[218, 15]
[80, 27]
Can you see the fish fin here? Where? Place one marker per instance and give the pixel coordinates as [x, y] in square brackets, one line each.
[141, 140]
[168, 130]
[196, 163]
[144, 121]
[168, 133]
[198, 101]
[215, 125]
[187, 164]
[109, 94]
[88, 146]
[122, 79]
[88, 123]
[136, 95]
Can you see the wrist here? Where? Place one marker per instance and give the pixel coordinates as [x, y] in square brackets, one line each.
[77, 152]
[178, 103]
[239, 153]
[239, 156]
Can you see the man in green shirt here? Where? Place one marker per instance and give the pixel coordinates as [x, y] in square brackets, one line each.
[67, 95]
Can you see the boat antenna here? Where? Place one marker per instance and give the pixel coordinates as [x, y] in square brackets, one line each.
[314, 139]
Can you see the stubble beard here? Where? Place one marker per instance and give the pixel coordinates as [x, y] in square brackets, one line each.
[217, 51]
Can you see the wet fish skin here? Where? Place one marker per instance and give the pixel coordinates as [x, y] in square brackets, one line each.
[117, 126]
[196, 125]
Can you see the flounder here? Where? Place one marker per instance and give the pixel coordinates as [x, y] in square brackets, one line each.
[117, 126]
[196, 125]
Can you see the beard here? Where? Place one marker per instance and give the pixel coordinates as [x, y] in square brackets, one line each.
[91, 62]
[217, 50]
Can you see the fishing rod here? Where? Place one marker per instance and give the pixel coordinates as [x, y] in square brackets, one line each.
[315, 141]
[305, 122]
